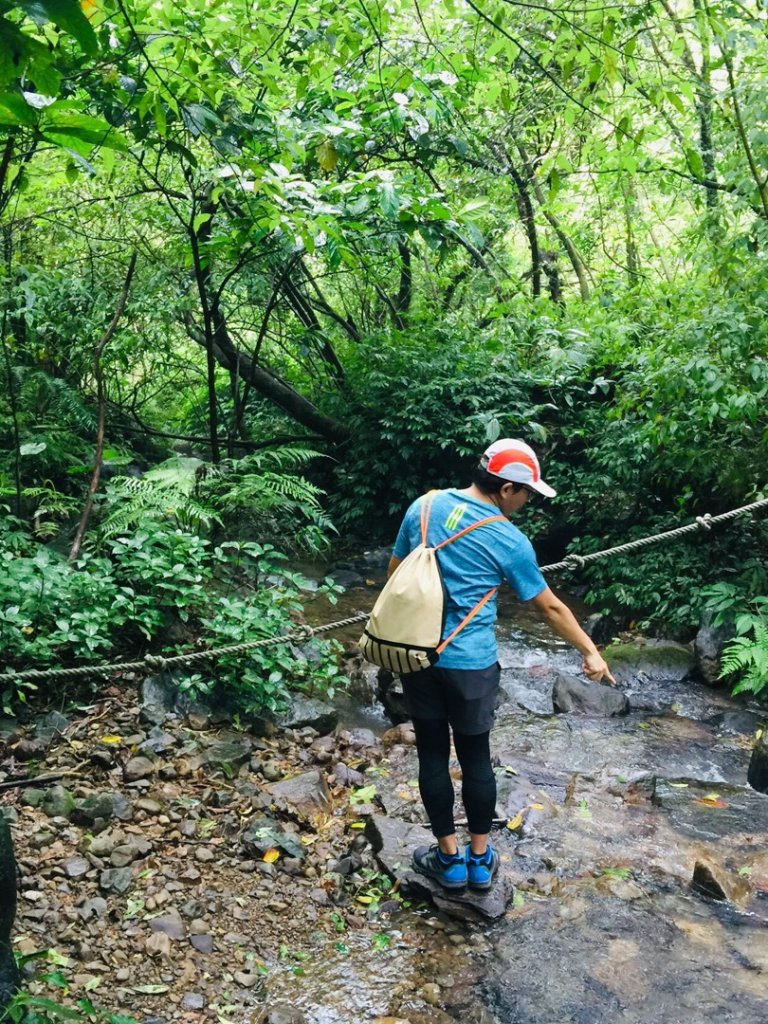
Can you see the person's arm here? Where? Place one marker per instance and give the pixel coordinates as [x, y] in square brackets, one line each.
[563, 622]
[393, 564]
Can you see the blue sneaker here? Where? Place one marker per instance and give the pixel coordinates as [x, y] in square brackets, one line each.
[449, 870]
[481, 868]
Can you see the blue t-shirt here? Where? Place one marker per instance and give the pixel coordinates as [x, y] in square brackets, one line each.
[471, 566]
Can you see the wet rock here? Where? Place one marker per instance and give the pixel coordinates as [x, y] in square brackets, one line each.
[603, 629]
[10, 730]
[347, 578]
[117, 880]
[100, 806]
[652, 660]
[280, 1014]
[158, 698]
[28, 749]
[757, 774]
[574, 695]
[229, 753]
[736, 723]
[51, 727]
[378, 558]
[307, 792]
[58, 802]
[138, 768]
[389, 692]
[708, 649]
[308, 711]
[704, 811]
[713, 880]
[393, 843]
[529, 690]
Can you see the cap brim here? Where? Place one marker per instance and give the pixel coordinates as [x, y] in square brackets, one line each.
[542, 488]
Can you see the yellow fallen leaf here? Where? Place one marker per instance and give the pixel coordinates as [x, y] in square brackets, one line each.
[712, 800]
[516, 822]
[271, 856]
[111, 739]
[537, 807]
[679, 785]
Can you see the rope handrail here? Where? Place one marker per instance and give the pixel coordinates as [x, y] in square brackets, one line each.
[301, 634]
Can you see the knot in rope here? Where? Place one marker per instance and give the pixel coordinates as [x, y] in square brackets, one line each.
[156, 662]
[575, 561]
[705, 521]
[301, 635]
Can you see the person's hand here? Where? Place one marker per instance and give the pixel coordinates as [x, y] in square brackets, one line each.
[595, 667]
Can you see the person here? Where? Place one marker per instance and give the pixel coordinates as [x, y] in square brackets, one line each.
[457, 694]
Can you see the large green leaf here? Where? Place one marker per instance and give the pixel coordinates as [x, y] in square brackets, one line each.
[14, 111]
[66, 15]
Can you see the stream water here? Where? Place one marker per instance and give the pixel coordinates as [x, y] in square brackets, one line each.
[605, 924]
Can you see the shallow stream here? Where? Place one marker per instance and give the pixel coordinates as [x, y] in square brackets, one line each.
[605, 925]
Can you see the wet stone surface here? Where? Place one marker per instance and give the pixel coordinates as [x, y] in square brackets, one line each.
[249, 878]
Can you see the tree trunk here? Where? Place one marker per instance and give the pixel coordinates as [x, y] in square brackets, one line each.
[267, 383]
[102, 404]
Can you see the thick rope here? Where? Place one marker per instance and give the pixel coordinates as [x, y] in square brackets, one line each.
[705, 522]
[302, 634]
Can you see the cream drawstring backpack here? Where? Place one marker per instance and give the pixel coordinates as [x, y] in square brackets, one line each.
[404, 631]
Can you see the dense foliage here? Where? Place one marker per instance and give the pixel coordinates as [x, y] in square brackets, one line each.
[389, 234]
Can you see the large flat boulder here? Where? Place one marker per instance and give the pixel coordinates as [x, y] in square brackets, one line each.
[572, 695]
[393, 843]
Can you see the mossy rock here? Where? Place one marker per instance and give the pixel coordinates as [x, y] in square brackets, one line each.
[656, 660]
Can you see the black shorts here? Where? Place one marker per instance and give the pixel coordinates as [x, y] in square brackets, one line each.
[466, 697]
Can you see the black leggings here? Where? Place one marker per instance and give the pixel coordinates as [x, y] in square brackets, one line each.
[478, 786]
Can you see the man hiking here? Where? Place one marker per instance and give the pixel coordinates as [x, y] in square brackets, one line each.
[458, 692]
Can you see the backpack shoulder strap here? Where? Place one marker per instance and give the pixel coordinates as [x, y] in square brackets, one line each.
[469, 529]
[425, 509]
[467, 619]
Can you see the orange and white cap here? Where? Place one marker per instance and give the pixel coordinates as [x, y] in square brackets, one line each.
[512, 459]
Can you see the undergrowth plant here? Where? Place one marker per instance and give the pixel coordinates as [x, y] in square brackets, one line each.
[164, 590]
[261, 495]
[746, 655]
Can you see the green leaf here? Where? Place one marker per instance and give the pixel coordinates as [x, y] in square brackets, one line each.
[61, 126]
[66, 15]
[471, 209]
[15, 111]
[390, 201]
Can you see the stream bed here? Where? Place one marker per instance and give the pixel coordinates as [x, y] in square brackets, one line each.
[639, 862]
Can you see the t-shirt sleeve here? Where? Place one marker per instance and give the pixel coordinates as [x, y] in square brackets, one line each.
[522, 571]
[409, 535]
